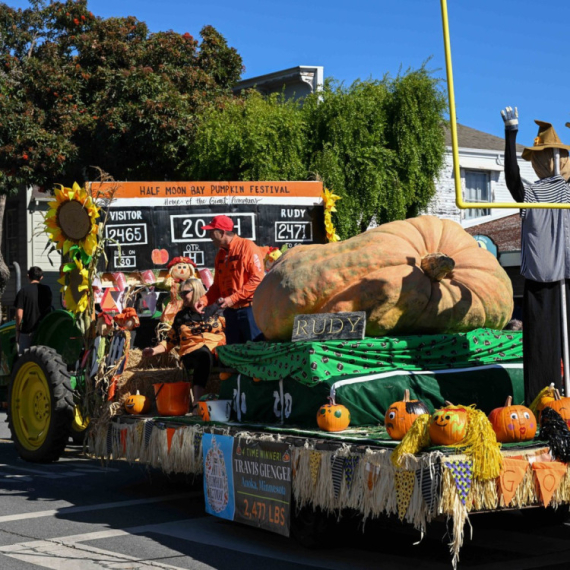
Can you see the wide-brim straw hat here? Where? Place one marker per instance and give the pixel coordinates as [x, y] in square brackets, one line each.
[546, 138]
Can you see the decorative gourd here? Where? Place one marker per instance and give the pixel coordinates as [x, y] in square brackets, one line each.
[448, 425]
[561, 405]
[137, 404]
[513, 423]
[422, 275]
[333, 416]
[203, 411]
[401, 415]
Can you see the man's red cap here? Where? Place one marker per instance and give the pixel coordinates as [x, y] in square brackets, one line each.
[220, 223]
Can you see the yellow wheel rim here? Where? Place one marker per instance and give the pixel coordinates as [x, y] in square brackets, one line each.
[30, 406]
[79, 423]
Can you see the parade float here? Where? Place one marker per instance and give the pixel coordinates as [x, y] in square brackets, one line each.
[370, 339]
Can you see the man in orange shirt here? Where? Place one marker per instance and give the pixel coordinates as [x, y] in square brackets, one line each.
[238, 272]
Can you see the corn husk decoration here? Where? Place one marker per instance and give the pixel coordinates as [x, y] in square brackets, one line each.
[548, 393]
[479, 443]
[416, 438]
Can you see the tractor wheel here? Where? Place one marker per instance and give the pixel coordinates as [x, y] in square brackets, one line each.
[40, 409]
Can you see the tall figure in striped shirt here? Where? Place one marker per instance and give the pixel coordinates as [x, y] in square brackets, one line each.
[545, 249]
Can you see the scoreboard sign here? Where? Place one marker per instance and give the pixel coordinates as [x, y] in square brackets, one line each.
[144, 216]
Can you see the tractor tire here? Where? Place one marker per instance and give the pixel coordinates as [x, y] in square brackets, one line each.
[40, 405]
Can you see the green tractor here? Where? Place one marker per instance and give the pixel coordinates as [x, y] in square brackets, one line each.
[44, 386]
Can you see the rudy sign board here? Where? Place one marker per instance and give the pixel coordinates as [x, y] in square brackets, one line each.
[146, 216]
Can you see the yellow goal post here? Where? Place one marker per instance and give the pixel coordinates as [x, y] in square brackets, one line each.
[461, 203]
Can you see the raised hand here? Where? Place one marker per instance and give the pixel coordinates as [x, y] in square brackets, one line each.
[511, 118]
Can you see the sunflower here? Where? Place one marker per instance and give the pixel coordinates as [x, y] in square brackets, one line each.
[329, 200]
[75, 281]
[71, 219]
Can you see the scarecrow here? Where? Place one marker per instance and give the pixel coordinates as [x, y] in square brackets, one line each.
[545, 251]
[179, 269]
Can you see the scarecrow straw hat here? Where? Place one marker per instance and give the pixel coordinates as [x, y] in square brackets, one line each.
[546, 138]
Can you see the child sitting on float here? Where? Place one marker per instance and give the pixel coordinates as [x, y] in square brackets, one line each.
[197, 334]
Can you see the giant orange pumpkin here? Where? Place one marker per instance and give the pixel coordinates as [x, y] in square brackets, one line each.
[513, 423]
[562, 406]
[448, 425]
[422, 275]
[401, 415]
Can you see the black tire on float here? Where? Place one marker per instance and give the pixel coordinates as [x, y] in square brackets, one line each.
[40, 405]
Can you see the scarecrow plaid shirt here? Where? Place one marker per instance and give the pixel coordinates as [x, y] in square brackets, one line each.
[545, 235]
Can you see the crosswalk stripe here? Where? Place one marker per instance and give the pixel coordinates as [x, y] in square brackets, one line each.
[120, 504]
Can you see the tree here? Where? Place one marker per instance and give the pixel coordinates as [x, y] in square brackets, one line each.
[78, 90]
[250, 138]
[379, 144]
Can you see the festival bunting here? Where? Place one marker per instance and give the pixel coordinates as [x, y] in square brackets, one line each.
[511, 477]
[462, 472]
[429, 479]
[337, 464]
[148, 426]
[404, 482]
[314, 465]
[373, 472]
[169, 436]
[197, 443]
[548, 475]
[350, 466]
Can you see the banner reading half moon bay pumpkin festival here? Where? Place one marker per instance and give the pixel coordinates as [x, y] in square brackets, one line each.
[150, 223]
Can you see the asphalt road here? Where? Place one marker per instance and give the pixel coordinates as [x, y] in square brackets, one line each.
[77, 514]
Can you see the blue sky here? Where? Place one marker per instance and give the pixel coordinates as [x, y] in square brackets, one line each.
[506, 52]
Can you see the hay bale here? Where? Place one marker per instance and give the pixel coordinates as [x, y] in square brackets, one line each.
[141, 373]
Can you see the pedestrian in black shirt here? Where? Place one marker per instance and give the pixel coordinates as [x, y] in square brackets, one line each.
[33, 302]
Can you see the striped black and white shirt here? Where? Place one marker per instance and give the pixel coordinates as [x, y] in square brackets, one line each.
[545, 234]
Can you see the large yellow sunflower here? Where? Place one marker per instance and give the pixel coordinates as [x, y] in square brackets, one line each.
[330, 200]
[71, 219]
[75, 287]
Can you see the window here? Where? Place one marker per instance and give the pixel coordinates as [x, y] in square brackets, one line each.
[477, 189]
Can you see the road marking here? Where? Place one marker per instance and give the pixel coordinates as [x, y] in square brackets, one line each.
[80, 471]
[65, 554]
[118, 505]
[15, 479]
[45, 474]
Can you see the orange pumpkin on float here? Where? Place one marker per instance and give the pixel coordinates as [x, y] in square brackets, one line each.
[561, 405]
[401, 415]
[513, 423]
[333, 416]
[448, 425]
[137, 404]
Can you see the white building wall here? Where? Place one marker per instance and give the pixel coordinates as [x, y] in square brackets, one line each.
[47, 259]
[443, 204]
